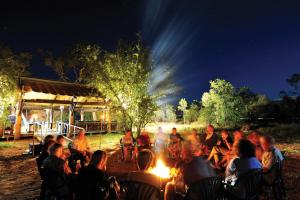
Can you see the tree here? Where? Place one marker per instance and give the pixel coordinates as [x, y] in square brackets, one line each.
[192, 114]
[124, 78]
[76, 64]
[12, 66]
[221, 105]
[165, 113]
[182, 106]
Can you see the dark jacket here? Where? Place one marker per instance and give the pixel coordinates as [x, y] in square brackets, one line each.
[92, 184]
[55, 177]
[211, 142]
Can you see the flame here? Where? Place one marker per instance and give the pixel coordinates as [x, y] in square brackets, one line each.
[161, 170]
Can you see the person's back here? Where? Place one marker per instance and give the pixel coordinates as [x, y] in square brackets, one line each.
[244, 162]
[145, 160]
[90, 182]
[55, 175]
[242, 165]
[196, 170]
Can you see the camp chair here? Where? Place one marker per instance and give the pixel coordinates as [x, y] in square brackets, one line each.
[133, 190]
[273, 183]
[247, 186]
[208, 188]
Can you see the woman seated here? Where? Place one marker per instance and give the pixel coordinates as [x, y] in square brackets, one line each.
[271, 154]
[174, 144]
[191, 170]
[81, 147]
[223, 147]
[245, 161]
[93, 181]
[143, 141]
[208, 140]
[237, 136]
[127, 142]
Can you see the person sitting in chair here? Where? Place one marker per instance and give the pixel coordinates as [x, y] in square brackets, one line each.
[191, 170]
[194, 140]
[244, 163]
[245, 160]
[223, 147]
[93, 181]
[208, 140]
[145, 161]
[81, 146]
[271, 154]
[127, 142]
[174, 144]
[56, 172]
[143, 141]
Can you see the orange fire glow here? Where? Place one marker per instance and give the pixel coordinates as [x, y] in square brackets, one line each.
[161, 170]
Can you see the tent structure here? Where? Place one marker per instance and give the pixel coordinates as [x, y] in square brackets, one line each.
[60, 97]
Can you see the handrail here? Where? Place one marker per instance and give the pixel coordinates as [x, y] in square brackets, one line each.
[68, 126]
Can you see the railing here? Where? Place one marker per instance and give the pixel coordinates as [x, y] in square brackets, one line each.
[42, 128]
[96, 126]
[65, 128]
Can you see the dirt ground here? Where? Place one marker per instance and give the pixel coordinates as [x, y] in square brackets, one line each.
[19, 177]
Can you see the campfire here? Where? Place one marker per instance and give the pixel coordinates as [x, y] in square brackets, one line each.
[161, 170]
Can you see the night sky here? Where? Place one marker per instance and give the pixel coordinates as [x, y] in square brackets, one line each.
[249, 43]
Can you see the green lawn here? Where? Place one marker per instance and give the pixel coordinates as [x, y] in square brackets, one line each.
[107, 141]
[5, 144]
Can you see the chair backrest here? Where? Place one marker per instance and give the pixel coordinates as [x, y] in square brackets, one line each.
[273, 174]
[140, 191]
[250, 183]
[208, 188]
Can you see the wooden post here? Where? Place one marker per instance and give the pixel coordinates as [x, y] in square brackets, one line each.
[108, 120]
[61, 119]
[94, 116]
[82, 115]
[18, 123]
[71, 121]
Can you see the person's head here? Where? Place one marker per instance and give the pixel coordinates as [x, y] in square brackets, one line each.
[128, 132]
[56, 150]
[174, 130]
[245, 149]
[48, 138]
[81, 134]
[98, 160]
[224, 134]
[145, 159]
[254, 137]
[267, 142]
[60, 139]
[238, 135]
[47, 145]
[210, 129]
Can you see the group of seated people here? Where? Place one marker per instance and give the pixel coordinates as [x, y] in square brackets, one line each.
[197, 157]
